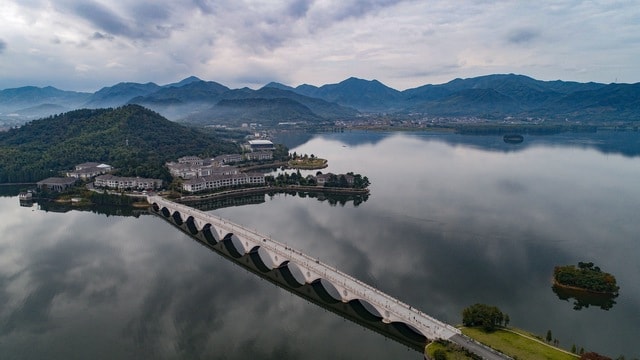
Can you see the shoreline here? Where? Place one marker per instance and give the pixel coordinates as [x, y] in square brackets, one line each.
[267, 189]
[581, 289]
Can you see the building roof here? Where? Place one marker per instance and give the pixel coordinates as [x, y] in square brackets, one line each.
[121, 178]
[260, 142]
[58, 180]
[88, 165]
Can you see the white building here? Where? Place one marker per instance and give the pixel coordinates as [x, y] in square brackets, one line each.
[259, 155]
[123, 183]
[261, 145]
[89, 169]
[221, 181]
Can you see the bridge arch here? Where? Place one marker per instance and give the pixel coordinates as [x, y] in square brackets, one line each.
[177, 218]
[155, 207]
[260, 261]
[365, 310]
[210, 236]
[192, 226]
[165, 212]
[292, 274]
[326, 291]
[234, 245]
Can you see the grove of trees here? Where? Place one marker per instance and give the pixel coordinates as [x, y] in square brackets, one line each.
[481, 315]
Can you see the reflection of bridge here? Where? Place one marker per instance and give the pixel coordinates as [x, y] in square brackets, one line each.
[299, 270]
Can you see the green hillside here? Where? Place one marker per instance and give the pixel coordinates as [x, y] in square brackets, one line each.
[134, 140]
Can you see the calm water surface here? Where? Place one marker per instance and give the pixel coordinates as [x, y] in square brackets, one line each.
[451, 221]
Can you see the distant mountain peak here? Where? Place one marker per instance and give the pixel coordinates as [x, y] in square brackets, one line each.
[185, 81]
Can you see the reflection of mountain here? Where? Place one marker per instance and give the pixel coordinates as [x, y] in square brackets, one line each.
[626, 143]
[582, 299]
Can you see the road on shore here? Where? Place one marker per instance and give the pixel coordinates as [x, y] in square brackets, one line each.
[475, 347]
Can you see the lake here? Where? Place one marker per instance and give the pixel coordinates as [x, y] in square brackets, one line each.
[451, 221]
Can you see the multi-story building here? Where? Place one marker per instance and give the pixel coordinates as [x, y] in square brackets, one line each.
[259, 155]
[193, 160]
[123, 183]
[261, 145]
[221, 181]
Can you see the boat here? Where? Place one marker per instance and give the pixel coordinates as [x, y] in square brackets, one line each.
[513, 138]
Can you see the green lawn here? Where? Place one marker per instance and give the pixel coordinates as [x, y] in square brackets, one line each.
[518, 346]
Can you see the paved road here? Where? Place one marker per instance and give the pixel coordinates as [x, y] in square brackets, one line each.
[475, 347]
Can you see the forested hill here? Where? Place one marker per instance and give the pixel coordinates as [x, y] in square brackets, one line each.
[133, 139]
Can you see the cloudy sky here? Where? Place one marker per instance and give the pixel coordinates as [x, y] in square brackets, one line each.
[87, 44]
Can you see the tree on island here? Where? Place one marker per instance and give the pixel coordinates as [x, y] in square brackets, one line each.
[484, 316]
[586, 276]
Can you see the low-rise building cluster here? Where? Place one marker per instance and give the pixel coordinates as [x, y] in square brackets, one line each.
[216, 173]
[103, 179]
[190, 167]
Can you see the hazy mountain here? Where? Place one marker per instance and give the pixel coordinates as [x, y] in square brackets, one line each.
[364, 95]
[119, 94]
[323, 109]
[280, 86]
[183, 82]
[31, 96]
[492, 96]
[179, 101]
[260, 110]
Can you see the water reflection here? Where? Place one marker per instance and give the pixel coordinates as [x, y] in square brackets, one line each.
[448, 224]
[626, 143]
[321, 293]
[254, 199]
[582, 299]
[83, 285]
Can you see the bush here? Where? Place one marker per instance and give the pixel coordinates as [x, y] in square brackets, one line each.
[439, 354]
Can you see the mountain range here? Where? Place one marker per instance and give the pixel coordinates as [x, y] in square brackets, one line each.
[207, 102]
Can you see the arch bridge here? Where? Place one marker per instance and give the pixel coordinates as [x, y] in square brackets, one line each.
[300, 269]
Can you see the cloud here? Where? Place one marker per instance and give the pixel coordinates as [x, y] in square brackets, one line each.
[522, 36]
[100, 36]
[3, 46]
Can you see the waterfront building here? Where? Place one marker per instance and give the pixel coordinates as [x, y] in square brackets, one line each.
[124, 183]
[56, 183]
[219, 181]
[261, 145]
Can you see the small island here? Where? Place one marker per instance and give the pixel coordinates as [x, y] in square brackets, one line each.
[585, 277]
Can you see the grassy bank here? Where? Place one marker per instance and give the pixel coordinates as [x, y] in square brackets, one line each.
[518, 344]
